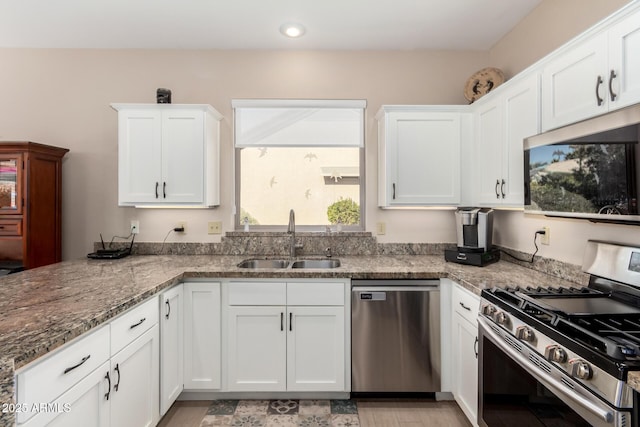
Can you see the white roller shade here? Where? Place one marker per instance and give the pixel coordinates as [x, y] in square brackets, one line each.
[294, 123]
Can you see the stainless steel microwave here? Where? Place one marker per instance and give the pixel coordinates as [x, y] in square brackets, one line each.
[586, 170]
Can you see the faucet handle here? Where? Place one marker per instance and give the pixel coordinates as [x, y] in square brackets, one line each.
[327, 252]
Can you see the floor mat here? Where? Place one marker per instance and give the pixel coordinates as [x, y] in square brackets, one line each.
[282, 413]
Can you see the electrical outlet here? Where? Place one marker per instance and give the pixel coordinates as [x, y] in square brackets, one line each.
[182, 224]
[215, 227]
[135, 226]
[545, 238]
[381, 228]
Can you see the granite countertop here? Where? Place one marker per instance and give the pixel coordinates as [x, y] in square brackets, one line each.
[45, 307]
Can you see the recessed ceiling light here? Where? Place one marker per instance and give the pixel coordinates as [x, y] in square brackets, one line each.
[292, 30]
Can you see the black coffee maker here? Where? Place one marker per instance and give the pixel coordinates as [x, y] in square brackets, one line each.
[474, 229]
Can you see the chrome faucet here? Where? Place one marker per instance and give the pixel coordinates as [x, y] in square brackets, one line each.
[292, 230]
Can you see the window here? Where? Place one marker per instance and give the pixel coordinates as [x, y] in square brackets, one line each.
[303, 155]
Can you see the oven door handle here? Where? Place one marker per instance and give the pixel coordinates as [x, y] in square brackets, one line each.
[592, 406]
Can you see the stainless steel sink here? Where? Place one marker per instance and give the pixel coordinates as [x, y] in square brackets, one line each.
[316, 263]
[264, 263]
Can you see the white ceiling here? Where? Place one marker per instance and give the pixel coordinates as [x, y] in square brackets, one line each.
[254, 24]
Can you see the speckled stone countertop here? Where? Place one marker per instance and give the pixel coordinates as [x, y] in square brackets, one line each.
[48, 306]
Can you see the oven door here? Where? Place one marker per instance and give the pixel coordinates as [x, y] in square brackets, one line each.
[517, 387]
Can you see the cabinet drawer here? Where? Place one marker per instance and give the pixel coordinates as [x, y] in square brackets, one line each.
[10, 227]
[465, 303]
[321, 293]
[257, 293]
[133, 323]
[46, 380]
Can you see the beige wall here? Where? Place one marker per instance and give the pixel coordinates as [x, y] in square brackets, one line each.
[61, 97]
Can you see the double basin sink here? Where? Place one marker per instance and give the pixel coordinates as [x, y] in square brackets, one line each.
[283, 263]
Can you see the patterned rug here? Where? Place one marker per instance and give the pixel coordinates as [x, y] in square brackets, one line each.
[282, 413]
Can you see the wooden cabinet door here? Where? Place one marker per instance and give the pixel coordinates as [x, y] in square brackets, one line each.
[11, 184]
[139, 156]
[256, 348]
[624, 61]
[171, 347]
[183, 156]
[423, 158]
[574, 85]
[202, 329]
[135, 382]
[315, 349]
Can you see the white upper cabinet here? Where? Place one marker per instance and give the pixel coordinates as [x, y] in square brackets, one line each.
[168, 154]
[419, 155]
[502, 121]
[599, 74]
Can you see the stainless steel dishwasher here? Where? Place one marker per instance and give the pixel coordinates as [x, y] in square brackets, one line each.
[395, 336]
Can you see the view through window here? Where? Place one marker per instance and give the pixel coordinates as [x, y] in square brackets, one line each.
[300, 158]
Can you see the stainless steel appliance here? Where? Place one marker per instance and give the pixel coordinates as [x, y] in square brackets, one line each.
[474, 230]
[395, 336]
[561, 356]
[586, 170]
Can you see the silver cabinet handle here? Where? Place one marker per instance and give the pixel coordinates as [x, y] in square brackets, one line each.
[464, 306]
[168, 309]
[394, 190]
[496, 189]
[612, 76]
[502, 188]
[599, 81]
[138, 324]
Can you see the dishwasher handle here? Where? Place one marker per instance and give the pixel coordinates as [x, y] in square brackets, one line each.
[421, 288]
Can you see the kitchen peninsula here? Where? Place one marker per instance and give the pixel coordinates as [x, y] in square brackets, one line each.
[47, 307]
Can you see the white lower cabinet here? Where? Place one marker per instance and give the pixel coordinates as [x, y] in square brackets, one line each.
[465, 351]
[315, 349]
[292, 338]
[107, 378]
[171, 347]
[256, 352]
[135, 382]
[202, 329]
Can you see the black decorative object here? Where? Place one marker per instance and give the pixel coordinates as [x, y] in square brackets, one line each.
[163, 96]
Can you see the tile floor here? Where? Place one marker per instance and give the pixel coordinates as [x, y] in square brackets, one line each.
[282, 413]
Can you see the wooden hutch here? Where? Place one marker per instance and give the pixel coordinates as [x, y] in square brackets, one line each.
[30, 205]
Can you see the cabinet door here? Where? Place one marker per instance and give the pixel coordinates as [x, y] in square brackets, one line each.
[135, 382]
[11, 184]
[139, 156]
[84, 405]
[465, 348]
[202, 336]
[423, 158]
[574, 85]
[521, 120]
[624, 61]
[256, 348]
[489, 137]
[183, 156]
[315, 349]
[171, 347]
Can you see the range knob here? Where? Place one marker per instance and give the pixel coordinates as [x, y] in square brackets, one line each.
[555, 353]
[580, 369]
[525, 334]
[501, 318]
[488, 310]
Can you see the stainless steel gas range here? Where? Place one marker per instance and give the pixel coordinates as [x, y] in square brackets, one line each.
[561, 356]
